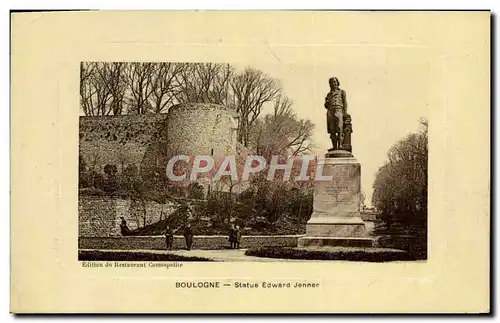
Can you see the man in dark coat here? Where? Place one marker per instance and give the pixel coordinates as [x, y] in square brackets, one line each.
[237, 235]
[188, 236]
[169, 237]
[336, 106]
[232, 237]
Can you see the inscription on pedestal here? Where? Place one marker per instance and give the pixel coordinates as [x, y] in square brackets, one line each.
[342, 194]
[336, 204]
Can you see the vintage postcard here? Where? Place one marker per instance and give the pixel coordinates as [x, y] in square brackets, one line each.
[250, 162]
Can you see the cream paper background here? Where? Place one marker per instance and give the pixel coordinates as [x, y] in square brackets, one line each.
[46, 50]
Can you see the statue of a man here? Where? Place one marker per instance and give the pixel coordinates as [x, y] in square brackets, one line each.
[336, 106]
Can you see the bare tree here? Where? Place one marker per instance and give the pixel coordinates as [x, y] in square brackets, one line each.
[101, 88]
[164, 85]
[301, 137]
[281, 132]
[114, 76]
[86, 88]
[139, 79]
[204, 83]
[221, 89]
[103, 94]
[283, 106]
[227, 184]
[251, 90]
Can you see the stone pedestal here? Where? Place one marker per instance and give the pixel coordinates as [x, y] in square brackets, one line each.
[336, 220]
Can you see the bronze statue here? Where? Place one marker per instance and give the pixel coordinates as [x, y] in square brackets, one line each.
[336, 106]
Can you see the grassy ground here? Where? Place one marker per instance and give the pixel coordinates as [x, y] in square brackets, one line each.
[91, 255]
[331, 253]
[199, 242]
[204, 228]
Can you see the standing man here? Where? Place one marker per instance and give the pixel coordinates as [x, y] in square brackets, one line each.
[169, 237]
[237, 236]
[232, 236]
[336, 106]
[188, 236]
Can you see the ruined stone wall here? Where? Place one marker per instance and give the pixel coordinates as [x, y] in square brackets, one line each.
[97, 217]
[146, 141]
[100, 216]
[137, 140]
[149, 140]
[197, 128]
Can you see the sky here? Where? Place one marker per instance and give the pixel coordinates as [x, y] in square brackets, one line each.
[388, 91]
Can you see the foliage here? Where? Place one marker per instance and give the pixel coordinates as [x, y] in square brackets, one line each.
[195, 191]
[335, 253]
[264, 207]
[400, 189]
[110, 182]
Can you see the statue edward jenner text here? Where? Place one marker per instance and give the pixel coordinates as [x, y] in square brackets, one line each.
[338, 120]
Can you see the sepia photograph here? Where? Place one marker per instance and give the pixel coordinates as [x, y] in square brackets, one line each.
[258, 162]
[224, 162]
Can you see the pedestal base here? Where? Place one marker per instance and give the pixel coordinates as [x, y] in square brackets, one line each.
[335, 242]
[336, 232]
[339, 153]
[336, 227]
[336, 220]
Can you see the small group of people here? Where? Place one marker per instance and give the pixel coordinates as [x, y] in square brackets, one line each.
[188, 236]
[235, 237]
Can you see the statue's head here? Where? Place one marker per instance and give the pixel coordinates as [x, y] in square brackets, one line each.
[334, 83]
